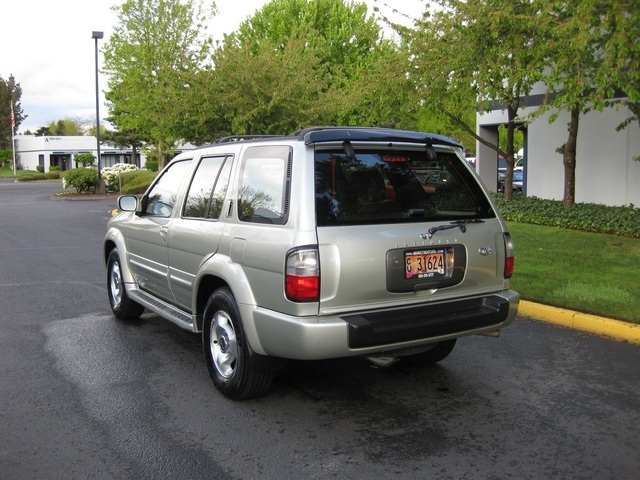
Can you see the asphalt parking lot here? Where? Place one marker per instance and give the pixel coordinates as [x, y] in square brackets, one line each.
[86, 396]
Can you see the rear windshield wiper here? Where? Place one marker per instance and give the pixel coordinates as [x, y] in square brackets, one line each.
[461, 224]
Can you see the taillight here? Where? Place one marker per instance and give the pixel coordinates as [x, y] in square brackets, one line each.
[509, 260]
[302, 275]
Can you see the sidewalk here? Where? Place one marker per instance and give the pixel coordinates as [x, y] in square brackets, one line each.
[616, 329]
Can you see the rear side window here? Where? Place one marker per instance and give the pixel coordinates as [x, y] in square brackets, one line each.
[208, 188]
[264, 185]
[393, 186]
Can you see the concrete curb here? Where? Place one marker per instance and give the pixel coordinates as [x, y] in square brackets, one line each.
[617, 329]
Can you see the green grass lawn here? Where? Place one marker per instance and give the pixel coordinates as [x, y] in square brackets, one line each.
[587, 272]
[8, 172]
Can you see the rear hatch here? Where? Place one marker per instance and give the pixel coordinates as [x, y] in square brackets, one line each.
[399, 225]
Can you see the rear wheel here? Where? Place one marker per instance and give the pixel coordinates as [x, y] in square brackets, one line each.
[439, 352]
[227, 353]
[121, 305]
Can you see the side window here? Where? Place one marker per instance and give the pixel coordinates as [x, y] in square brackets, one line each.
[264, 185]
[208, 188]
[162, 197]
[220, 190]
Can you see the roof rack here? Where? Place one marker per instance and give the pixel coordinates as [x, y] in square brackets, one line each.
[241, 138]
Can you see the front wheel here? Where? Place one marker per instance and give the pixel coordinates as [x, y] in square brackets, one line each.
[226, 351]
[439, 352]
[122, 306]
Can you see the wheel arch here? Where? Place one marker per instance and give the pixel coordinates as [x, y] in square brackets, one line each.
[114, 240]
[217, 272]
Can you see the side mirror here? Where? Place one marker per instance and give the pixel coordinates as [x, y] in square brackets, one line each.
[128, 203]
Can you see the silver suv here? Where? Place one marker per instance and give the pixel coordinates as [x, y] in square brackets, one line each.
[331, 242]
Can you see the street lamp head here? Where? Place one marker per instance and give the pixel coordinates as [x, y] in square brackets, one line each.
[97, 35]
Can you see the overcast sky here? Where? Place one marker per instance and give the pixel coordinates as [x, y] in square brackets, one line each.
[47, 47]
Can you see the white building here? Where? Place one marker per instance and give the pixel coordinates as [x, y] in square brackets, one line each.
[605, 170]
[50, 151]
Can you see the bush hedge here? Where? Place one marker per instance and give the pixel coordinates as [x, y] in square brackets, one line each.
[112, 176]
[30, 177]
[82, 179]
[137, 181]
[589, 217]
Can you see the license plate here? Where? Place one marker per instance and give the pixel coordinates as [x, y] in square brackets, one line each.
[424, 263]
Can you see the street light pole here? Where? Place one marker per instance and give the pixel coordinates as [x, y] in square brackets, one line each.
[97, 36]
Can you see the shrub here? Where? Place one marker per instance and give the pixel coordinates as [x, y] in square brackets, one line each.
[40, 168]
[589, 217]
[31, 177]
[151, 165]
[52, 175]
[82, 179]
[55, 168]
[112, 175]
[137, 182]
[86, 159]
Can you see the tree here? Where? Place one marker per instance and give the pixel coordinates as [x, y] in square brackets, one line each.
[297, 63]
[343, 26]
[43, 131]
[157, 45]
[266, 91]
[577, 75]
[68, 127]
[10, 96]
[487, 51]
[619, 24]
[376, 90]
[124, 139]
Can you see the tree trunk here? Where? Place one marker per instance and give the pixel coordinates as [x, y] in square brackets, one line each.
[569, 159]
[161, 157]
[509, 159]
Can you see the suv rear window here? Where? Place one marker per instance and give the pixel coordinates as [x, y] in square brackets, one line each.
[393, 186]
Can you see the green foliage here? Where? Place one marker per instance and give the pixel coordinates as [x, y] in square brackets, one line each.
[32, 177]
[10, 95]
[153, 53]
[590, 217]
[269, 92]
[84, 159]
[6, 156]
[137, 181]
[339, 33]
[482, 52]
[53, 175]
[151, 165]
[82, 179]
[40, 168]
[54, 168]
[68, 127]
[297, 63]
[375, 91]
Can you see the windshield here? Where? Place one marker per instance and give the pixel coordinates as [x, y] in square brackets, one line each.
[392, 186]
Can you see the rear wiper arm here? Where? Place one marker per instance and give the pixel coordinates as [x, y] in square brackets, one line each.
[461, 224]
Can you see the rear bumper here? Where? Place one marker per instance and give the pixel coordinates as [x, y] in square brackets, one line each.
[381, 330]
[426, 321]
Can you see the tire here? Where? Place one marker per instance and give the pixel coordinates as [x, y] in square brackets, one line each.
[439, 352]
[227, 353]
[122, 306]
